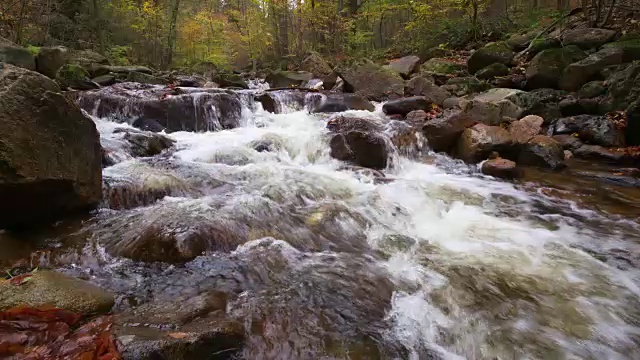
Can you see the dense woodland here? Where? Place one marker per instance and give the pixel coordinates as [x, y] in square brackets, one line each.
[241, 34]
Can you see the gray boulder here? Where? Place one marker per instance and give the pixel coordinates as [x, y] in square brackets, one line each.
[51, 152]
[593, 129]
[286, 79]
[11, 53]
[497, 52]
[588, 38]
[479, 141]
[542, 151]
[372, 81]
[421, 86]
[492, 71]
[579, 73]
[50, 59]
[405, 66]
[546, 68]
[406, 105]
[443, 132]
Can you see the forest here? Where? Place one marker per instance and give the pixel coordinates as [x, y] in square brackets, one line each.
[246, 34]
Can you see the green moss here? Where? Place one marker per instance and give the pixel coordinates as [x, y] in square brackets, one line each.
[34, 50]
[441, 66]
[72, 72]
[631, 48]
[559, 58]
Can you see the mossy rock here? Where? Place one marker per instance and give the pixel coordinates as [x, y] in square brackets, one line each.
[592, 89]
[74, 76]
[630, 46]
[46, 287]
[466, 85]
[493, 71]
[230, 80]
[545, 70]
[441, 66]
[16, 55]
[541, 44]
[497, 52]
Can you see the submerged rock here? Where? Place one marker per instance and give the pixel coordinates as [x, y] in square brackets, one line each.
[51, 152]
[49, 288]
[364, 149]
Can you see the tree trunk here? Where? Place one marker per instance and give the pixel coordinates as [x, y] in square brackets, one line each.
[171, 39]
[99, 28]
[23, 7]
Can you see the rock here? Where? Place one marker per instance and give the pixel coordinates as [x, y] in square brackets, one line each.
[542, 44]
[13, 54]
[526, 128]
[372, 81]
[519, 42]
[421, 86]
[50, 288]
[143, 78]
[287, 79]
[492, 71]
[443, 132]
[546, 68]
[405, 66]
[75, 77]
[599, 153]
[492, 106]
[597, 130]
[230, 80]
[511, 81]
[206, 69]
[496, 95]
[145, 143]
[343, 102]
[579, 73]
[211, 85]
[343, 124]
[452, 103]
[542, 151]
[541, 102]
[497, 52]
[191, 81]
[572, 106]
[434, 52]
[406, 105]
[630, 48]
[50, 59]
[50, 154]
[315, 64]
[364, 149]
[568, 142]
[154, 108]
[633, 124]
[500, 168]
[568, 155]
[104, 80]
[477, 142]
[441, 66]
[623, 87]
[417, 118]
[592, 89]
[269, 104]
[87, 58]
[466, 85]
[588, 38]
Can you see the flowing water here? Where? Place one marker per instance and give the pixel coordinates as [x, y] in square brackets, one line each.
[436, 261]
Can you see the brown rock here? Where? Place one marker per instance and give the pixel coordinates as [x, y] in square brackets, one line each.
[500, 168]
[542, 151]
[526, 128]
[477, 142]
[443, 132]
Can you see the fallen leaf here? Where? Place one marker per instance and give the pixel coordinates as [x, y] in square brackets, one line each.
[178, 335]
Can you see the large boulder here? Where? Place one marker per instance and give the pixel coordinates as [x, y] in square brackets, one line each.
[358, 140]
[405, 66]
[497, 52]
[492, 107]
[372, 81]
[519, 42]
[593, 129]
[623, 87]
[406, 105]
[542, 151]
[443, 132]
[49, 288]
[579, 73]
[16, 55]
[287, 79]
[143, 78]
[49, 150]
[315, 64]
[155, 109]
[467, 85]
[50, 59]
[588, 38]
[545, 70]
[422, 86]
[479, 141]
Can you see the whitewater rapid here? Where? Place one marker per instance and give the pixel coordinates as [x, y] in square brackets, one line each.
[481, 268]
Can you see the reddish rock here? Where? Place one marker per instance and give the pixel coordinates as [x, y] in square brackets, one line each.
[477, 142]
[526, 128]
[500, 168]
